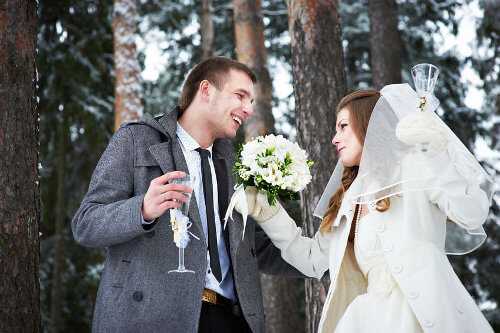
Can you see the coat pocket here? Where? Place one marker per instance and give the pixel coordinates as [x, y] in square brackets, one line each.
[120, 274]
[117, 279]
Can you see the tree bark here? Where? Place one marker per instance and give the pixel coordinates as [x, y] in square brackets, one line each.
[57, 288]
[250, 50]
[281, 304]
[279, 294]
[206, 29]
[386, 46]
[319, 84]
[128, 90]
[492, 17]
[19, 194]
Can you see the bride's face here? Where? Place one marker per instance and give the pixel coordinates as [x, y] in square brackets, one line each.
[348, 146]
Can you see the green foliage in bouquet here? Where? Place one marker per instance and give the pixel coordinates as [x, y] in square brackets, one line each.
[273, 192]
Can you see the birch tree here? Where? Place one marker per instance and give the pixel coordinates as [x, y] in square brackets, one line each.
[128, 91]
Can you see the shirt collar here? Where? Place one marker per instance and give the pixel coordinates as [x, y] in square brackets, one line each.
[187, 141]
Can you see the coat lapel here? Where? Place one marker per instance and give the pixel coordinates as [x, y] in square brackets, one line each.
[162, 152]
[223, 150]
[223, 193]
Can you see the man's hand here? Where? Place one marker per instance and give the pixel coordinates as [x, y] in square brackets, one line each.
[162, 196]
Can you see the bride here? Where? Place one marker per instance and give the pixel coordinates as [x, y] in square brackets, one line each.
[404, 194]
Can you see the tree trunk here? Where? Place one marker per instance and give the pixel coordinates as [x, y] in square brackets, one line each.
[282, 304]
[57, 288]
[19, 194]
[128, 90]
[250, 50]
[279, 294]
[319, 84]
[492, 15]
[206, 29]
[385, 43]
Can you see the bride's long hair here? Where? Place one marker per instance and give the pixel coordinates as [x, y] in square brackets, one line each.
[360, 105]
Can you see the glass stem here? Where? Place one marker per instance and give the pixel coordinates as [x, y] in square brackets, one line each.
[181, 259]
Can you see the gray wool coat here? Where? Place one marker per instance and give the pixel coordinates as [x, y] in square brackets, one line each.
[136, 294]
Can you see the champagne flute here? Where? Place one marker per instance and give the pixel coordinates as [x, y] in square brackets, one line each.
[424, 77]
[180, 222]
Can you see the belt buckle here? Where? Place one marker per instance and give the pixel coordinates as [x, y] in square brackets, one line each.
[209, 296]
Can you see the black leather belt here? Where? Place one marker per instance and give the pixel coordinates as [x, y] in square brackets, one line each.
[211, 297]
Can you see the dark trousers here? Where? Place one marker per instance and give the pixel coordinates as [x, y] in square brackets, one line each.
[221, 319]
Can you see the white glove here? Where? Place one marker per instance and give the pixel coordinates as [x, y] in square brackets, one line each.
[422, 128]
[258, 206]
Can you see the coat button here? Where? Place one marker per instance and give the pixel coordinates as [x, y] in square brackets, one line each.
[380, 228]
[150, 234]
[137, 296]
[413, 295]
[460, 309]
[397, 269]
[428, 323]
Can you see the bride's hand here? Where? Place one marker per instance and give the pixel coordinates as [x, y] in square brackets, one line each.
[422, 128]
[258, 206]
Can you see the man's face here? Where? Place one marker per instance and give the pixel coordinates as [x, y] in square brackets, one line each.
[231, 106]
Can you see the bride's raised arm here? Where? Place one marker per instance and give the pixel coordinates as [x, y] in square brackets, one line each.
[457, 193]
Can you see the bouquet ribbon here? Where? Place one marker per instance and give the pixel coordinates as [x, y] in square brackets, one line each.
[239, 198]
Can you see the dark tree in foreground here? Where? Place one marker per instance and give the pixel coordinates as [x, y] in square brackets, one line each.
[19, 194]
[319, 83]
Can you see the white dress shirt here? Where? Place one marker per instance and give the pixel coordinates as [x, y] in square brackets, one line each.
[193, 161]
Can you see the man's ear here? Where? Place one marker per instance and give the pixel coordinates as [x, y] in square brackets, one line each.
[205, 90]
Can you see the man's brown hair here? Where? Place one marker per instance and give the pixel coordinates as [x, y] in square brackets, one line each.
[214, 70]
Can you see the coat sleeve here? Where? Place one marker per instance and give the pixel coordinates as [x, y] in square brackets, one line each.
[109, 213]
[457, 192]
[308, 255]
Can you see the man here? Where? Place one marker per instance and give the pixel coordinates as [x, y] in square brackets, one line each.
[126, 211]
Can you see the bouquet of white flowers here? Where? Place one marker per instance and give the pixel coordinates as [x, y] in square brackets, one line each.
[274, 165]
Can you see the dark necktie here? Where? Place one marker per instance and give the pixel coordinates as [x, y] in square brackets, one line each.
[209, 206]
